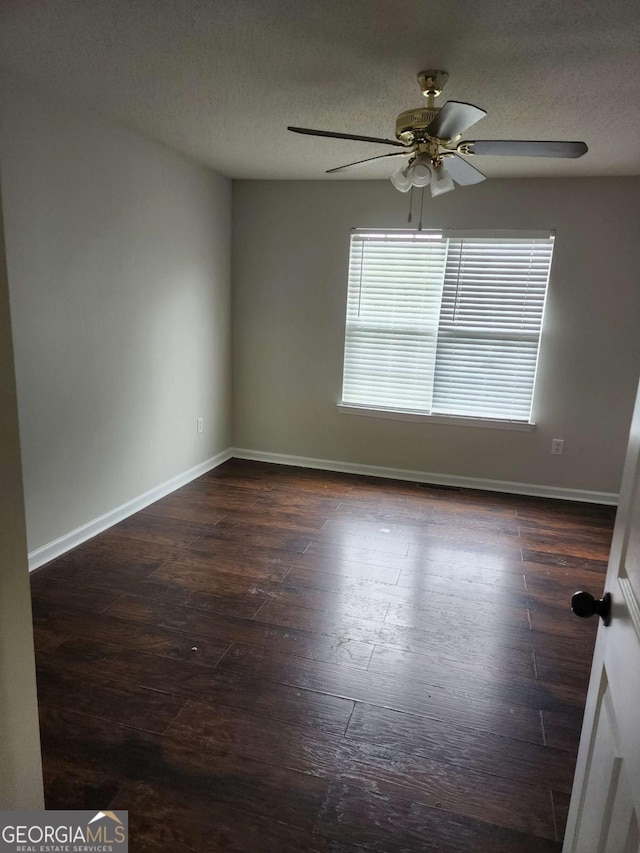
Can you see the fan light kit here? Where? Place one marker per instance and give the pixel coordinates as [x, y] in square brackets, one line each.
[432, 153]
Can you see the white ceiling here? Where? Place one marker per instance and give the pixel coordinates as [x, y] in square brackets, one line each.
[221, 79]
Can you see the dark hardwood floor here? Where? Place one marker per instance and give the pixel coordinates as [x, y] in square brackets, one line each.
[275, 659]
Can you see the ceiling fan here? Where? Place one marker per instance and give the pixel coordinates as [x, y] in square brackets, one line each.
[429, 137]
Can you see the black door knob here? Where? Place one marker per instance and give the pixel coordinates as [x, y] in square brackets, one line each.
[584, 605]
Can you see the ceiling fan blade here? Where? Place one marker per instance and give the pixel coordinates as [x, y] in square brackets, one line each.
[462, 171]
[453, 119]
[368, 160]
[358, 138]
[524, 148]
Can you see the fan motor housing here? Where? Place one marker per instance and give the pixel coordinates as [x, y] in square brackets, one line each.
[411, 125]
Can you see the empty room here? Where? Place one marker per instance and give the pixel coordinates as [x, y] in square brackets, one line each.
[320, 482]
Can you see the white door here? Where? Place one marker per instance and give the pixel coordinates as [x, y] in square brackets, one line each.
[20, 762]
[604, 816]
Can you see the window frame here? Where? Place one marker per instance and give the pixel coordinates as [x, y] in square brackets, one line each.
[398, 413]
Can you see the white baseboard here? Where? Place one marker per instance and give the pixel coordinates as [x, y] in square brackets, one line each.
[533, 489]
[76, 537]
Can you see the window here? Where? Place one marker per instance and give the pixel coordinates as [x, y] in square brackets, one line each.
[445, 324]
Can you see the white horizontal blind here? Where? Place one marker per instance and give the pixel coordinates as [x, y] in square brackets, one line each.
[489, 328]
[457, 323]
[393, 306]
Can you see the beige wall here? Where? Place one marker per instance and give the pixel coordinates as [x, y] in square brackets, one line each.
[20, 765]
[290, 251]
[118, 253]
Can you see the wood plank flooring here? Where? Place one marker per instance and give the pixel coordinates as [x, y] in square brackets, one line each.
[277, 660]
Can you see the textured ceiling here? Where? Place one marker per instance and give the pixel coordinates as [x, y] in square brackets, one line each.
[220, 81]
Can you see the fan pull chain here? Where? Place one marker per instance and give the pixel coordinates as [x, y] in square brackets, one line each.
[410, 217]
[421, 206]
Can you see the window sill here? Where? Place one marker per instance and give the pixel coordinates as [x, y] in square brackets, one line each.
[451, 420]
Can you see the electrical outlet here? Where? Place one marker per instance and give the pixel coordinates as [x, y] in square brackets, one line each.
[557, 446]
[200, 425]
